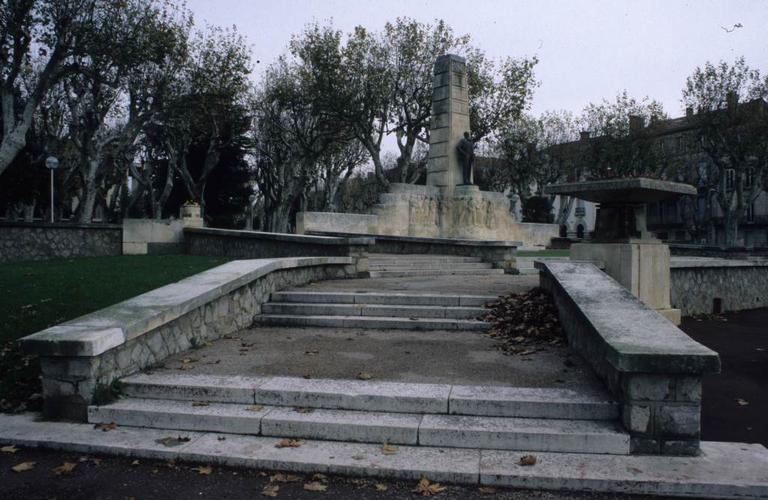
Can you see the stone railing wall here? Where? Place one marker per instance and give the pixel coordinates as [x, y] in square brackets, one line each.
[697, 284]
[20, 241]
[499, 253]
[260, 245]
[689, 250]
[650, 366]
[96, 349]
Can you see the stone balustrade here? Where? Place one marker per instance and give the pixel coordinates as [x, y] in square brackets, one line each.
[650, 366]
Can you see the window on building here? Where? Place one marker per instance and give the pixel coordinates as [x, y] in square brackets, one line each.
[730, 179]
[751, 212]
[749, 178]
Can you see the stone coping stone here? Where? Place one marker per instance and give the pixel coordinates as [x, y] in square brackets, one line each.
[623, 191]
[350, 239]
[638, 339]
[58, 225]
[107, 328]
[682, 262]
[431, 241]
[722, 470]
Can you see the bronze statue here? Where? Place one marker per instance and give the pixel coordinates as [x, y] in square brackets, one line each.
[466, 151]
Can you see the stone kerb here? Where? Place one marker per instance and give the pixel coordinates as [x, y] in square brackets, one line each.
[98, 348]
[648, 364]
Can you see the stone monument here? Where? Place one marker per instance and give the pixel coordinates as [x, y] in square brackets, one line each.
[449, 205]
[631, 255]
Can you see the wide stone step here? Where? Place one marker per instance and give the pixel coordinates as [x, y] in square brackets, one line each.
[290, 308]
[421, 258]
[582, 436]
[368, 427]
[375, 322]
[447, 271]
[723, 470]
[371, 395]
[408, 299]
[394, 265]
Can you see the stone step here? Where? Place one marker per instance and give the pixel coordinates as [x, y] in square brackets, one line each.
[408, 299]
[448, 271]
[292, 308]
[375, 322]
[449, 431]
[504, 433]
[722, 470]
[370, 395]
[405, 266]
[421, 258]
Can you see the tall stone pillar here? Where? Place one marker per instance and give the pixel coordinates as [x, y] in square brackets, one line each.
[450, 119]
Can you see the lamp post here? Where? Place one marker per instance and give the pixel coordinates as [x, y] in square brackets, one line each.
[52, 163]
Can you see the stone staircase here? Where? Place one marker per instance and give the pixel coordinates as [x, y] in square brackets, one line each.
[354, 411]
[375, 310]
[406, 265]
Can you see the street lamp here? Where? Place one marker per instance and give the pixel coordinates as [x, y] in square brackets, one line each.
[52, 163]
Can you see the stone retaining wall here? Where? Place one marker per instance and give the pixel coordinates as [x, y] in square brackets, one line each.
[259, 245]
[739, 285]
[651, 367]
[78, 356]
[21, 241]
[499, 253]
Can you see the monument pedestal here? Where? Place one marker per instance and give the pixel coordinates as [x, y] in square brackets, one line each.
[641, 266]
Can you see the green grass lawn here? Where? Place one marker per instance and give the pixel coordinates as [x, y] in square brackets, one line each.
[545, 253]
[36, 295]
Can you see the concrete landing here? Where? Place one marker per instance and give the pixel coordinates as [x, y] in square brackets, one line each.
[723, 470]
[438, 356]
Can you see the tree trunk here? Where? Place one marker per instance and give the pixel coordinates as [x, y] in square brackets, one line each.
[88, 203]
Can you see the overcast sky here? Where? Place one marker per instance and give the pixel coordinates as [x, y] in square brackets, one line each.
[588, 50]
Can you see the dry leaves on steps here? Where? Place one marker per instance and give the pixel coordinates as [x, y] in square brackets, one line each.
[315, 486]
[65, 468]
[270, 490]
[23, 467]
[201, 403]
[364, 376]
[380, 487]
[9, 449]
[527, 460]
[254, 408]
[203, 470]
[106, 427]
[487, 490]
[288, 443]
[388, 449]
[427, 489]
[171, 441]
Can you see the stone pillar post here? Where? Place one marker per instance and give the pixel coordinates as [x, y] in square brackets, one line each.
[450, 119]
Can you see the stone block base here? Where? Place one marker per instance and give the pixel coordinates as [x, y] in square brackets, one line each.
[673, 315]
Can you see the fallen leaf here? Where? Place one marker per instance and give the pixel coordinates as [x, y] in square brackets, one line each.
[313, 352]
[388, 449]
[270, 490]
[380, 487]
[23, 466]
[201, 403]
[106, 427]
[171, 441]
[315, 486]
[487, 490]
[203, 470]
[284, 478]
[319, 477]
[427, 489]
[135, 462]
[254, 408]
[288, 443]
[527, 460]
[9, 449]
[65, 468]
[185, 367]
[301, 409]
[742, 402]
[364, 376]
